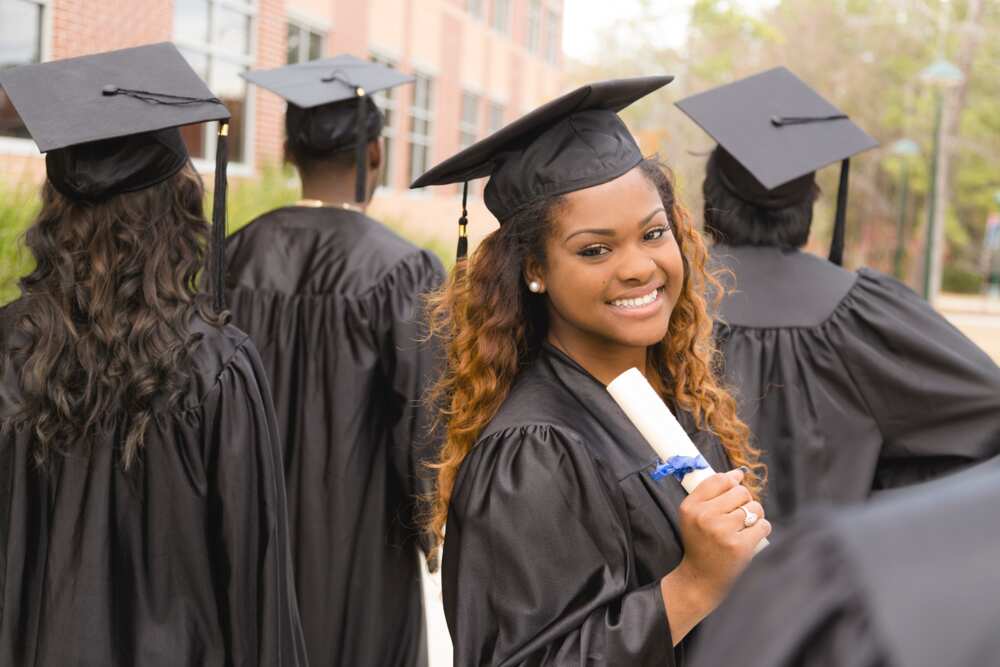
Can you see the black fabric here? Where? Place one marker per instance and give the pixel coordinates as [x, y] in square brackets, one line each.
[850, 383]
[800, 603]
[573, 142]
[740, 115]
[328, 80]
[101, 169]
[907, 581]
[330, 128]
[182, 560]
[558, 536]
[744, 186]
[334, 301]
[62, 102]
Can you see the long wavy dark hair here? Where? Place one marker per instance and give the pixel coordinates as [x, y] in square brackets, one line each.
[492, 327]
[101, 334]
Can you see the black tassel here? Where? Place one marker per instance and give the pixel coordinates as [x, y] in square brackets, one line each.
[463, 222]
[361, 149]
[839, 222]
[218, 250]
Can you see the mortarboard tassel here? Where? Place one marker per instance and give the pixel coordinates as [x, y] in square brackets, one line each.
[218, 254]
[463, 223]
[361, 148]
[839, 222]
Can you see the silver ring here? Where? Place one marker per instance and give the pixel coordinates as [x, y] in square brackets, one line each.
[750, 519]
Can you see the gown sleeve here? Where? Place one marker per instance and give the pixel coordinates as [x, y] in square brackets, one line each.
[799, 604]
[537, 567]
[934, 394]
[411, 361]
[247, 519]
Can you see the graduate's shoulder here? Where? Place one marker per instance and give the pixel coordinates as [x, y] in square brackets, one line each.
[216, 349]
[773, 288]
[321, 251]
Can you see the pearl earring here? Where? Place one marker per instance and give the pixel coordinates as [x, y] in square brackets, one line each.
[535, 286]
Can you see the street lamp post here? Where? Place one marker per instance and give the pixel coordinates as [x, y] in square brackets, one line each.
[905, 149]
[941, 74]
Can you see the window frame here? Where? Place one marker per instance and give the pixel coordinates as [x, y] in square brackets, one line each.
[552, 44]
[387, 101]
[505, 29]
[26, 145]
[312, 27]
[250, 9]
[426, 140]
[534, 18]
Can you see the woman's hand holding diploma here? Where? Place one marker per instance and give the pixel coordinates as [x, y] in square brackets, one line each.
[721, 525]
[717, 547]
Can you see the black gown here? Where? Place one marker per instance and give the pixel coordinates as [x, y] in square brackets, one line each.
[909, 580]
[333, 300]
[181, 560]
[558, 536]
[850, 382]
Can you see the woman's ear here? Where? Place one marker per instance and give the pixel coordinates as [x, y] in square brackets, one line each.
[534, 276]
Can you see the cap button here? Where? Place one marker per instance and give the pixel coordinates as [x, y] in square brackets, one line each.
[777, 121]
[109, 90]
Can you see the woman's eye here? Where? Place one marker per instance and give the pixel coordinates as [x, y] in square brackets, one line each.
[655, 234]
[594, 251]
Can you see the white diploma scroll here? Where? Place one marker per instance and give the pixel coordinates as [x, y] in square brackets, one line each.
[648, 413]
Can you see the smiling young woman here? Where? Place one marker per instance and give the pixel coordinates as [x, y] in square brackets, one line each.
[561, 545]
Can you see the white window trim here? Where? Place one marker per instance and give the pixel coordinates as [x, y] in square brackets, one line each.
[389, 132]
[27, 146]
[207, 166]
[308, 20]
[425, 140]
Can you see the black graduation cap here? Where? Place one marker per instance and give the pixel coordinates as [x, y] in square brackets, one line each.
[321, 117]
[774, 131]
[108, 123]
[571, 143]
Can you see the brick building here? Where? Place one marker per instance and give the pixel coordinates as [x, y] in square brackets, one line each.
[478, 63]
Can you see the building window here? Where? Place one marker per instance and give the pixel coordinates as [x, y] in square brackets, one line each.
[387, 102]
[304, 44]
[217, 39]
[475, 8]
[420, 125]
[534, 38]
[494, 117]
[500, 20]
[552, 46]
[20, 44]
[468, 126]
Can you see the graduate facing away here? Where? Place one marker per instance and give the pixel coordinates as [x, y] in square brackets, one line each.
[563, 546]
[142, 506]
[334, 301]
[874, 586]
[850, 382]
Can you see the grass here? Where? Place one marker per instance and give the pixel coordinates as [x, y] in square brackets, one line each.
[248, 199]
[19, 205]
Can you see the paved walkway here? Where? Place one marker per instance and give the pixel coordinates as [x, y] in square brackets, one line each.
[977, 317]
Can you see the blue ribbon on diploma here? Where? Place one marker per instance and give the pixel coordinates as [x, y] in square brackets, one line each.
[679, 466]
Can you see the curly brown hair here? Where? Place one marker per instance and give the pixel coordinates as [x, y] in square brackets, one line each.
[492, 328]
[101, 334]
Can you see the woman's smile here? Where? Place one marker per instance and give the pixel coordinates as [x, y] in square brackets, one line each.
[648, 303]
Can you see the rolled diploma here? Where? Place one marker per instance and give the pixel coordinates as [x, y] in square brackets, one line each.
[648, 413]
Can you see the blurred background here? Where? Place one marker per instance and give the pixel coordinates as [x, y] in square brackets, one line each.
[922, 76]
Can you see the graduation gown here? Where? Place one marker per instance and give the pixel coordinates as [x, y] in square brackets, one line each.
[849, 381]
[910, 580]
[181, 560]
[558, 536]
[333, 300]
